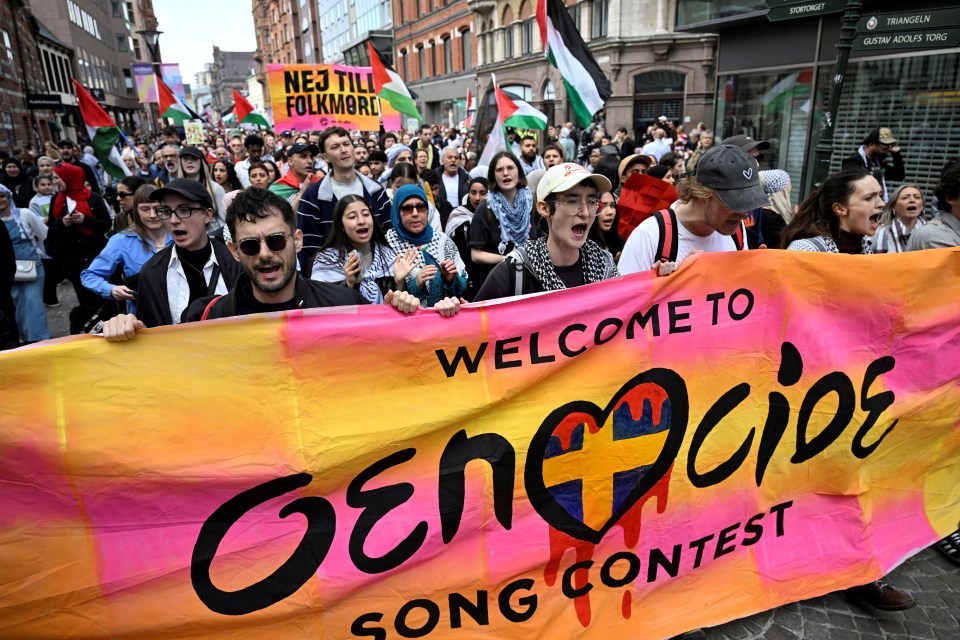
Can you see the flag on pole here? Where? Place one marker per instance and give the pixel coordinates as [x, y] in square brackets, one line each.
[517, 113]
[495, 143]
[587, 87]
[103, 133]
[390, 87]
[471, 110]
[170, 105]
[245, 112]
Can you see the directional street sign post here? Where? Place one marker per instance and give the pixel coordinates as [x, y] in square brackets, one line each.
[924, 29]
[790, 9]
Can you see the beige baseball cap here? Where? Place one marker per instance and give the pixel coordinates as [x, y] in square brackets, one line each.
[566, 176]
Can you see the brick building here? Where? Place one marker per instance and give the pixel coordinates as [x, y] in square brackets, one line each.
[230, 71]
[436, 54]
[21, 78]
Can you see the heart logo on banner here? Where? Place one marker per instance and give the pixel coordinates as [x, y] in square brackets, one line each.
[587, 466]
[748, 173]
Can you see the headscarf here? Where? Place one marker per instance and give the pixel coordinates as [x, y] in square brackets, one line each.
[774, 180]
[75, 195]
[403, 194]
[26, 234]
[394, 151]
[10, 182]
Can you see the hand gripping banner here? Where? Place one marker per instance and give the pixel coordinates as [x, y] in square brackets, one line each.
[629, 459]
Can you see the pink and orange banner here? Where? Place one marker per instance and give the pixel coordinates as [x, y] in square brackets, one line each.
[313, 97]
[752, 430]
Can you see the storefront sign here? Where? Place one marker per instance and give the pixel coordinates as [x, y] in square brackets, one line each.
[51, 101]
[630, 459]
[790, 9]
[927, 20]
[98, 94]
[927, 39]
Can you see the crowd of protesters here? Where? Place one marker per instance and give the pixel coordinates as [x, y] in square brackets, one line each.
[256, 222]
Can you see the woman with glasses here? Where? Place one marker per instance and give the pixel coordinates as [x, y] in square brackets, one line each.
[128, 250]
[356, 254]
[503, 220]
[125, 191]
[568, 199]
[193, 166]
[437, 271]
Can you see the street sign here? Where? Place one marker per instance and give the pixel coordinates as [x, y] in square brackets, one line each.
[45, 101]
[98, 94]
[926, 39]
[790, 9]
[923, 19]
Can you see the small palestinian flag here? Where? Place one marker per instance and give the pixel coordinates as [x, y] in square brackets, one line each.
[103, 133]
[471, 110]
[587, 87]
[516, 113]
[171, 106]
[245, 112]
[390, 87]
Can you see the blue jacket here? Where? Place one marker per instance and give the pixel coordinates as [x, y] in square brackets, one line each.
[124, 250]
[315, 214]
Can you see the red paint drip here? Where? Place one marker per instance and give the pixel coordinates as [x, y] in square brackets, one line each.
[649, 391]
[626, 609]
[564, 430]
[559, 544]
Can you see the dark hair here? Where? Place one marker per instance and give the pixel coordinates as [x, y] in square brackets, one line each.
[948, 187]
[326, 134]
[492, 171]
[252, 140]
[527, 137]
[388, 134]
[669, 159]
[133, 182]
[609, 240]
[377, 156]
[272, 165]
[170, 130]
[254, 203]
[556, 147]
[232, 180]
[338, 235]
[609, 168]
[424, 127]
[815, 216]
[430, 177]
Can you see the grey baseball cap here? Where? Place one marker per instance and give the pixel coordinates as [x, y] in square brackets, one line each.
[735, 176]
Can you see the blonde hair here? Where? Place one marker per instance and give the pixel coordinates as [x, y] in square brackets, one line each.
[888, 214]
[779, 201]
[690, 188]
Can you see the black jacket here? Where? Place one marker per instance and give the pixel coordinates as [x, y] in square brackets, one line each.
[310, 294]
[74, 247]
[462, 189]
[881, 169]
[153, 304]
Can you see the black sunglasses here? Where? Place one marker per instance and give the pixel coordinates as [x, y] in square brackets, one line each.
[275, 242]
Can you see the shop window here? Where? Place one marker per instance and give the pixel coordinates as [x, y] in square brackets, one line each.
[655, 94]
[697, 11]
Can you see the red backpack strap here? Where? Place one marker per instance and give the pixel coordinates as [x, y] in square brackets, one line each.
[209, 306]
[669, 238]
[738, 237]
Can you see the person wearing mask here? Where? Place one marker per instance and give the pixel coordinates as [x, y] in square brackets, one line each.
[128, 250]
[438, 272]
[356, 254]
[192, 266]
[568, 199]
[318, 200]
[27, 233]
[503, 220]
[193, 166]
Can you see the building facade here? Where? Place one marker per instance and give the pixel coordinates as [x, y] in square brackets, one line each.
[21, 76]
[58, 70]
[773, 83]
[99, 33]
[230, 71]
[435, 45]
[653, 69]
[347, 23]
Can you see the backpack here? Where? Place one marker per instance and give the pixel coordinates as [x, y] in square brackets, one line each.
[519, 257]
[669, 236]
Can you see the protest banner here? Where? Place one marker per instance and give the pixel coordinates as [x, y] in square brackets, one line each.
[628, 459]
[313, 97]
[144, 77]
[193, 129]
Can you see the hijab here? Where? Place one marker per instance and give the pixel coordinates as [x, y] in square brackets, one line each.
[403, 194]
[75, 196]
[11, 182]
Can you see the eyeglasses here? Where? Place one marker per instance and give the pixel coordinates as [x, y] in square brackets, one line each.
[410, 208]
[123, 194]
[183, 211]
[572, 205]
[275, 242]
[886, 146]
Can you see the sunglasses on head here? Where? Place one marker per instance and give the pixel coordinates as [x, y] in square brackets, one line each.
[276, 242]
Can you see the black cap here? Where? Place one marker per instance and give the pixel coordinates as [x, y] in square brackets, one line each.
[285, 134]
[65, 143]
[191, 151]
[189, 189]
[301, 147]
[746, 143]
[377, 156]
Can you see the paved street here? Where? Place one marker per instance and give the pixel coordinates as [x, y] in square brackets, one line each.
[928, 577]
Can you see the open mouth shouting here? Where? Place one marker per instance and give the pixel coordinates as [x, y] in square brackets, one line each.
[875, 221]
[270, 270]
[579, 231]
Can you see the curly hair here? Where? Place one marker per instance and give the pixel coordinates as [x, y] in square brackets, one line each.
[254, 203]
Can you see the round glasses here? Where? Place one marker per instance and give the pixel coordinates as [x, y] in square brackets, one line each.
[572, 206]
[276, 242]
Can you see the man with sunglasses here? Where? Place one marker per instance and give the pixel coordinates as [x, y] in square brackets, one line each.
[265, 245]
[193, 266]
[872, 156]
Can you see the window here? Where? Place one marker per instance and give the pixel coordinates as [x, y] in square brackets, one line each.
[403, 64]
[507, 34]
[402, 11]
[574, 11]
[122, 43]
[466, 49]
[526, 36]
[549, 91]
[433, 60]
[116, 8]
[421, 64]
[136, 49]
[697, 11]
[447, 56]
[6, 57]
[601, 11]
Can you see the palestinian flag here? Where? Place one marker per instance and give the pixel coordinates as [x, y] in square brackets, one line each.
[390, 87]
[587, 87]
[171, 106]
[103, 133]
[245, 112]
[495, 143]
[516, 113]
[471, 110]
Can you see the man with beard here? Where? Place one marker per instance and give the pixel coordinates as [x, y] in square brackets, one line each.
[529, 159]
[424, 141]
[170, 161]
[872, 156]
[192, 266]
[265, 244]
[70, 154]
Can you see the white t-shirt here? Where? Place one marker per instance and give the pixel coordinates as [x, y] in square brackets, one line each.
[452, 186]
[639, 252]
[340, 190]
